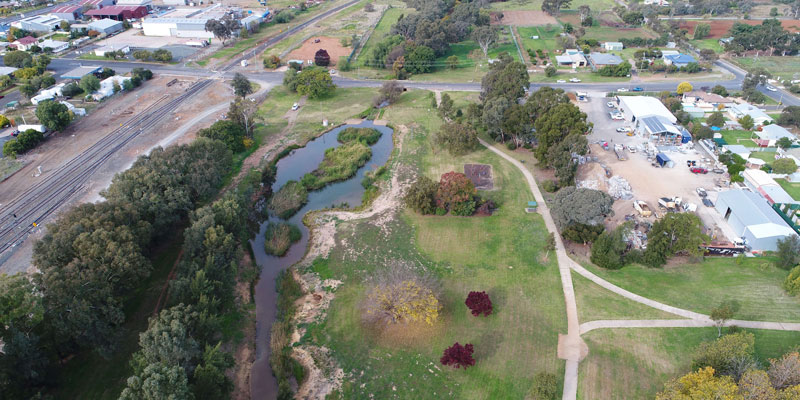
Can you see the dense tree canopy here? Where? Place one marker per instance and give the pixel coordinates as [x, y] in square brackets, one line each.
[226, 131]
[674, 233]
[573, 205]
[54, 115]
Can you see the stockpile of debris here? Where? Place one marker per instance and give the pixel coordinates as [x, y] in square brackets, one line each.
[619, 188]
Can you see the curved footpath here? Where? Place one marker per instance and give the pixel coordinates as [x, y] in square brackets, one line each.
[570, 346]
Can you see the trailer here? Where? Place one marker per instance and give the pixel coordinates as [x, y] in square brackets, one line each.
[642, 207]
[620, 151]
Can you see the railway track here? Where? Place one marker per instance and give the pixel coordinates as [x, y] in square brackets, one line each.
[19, 218]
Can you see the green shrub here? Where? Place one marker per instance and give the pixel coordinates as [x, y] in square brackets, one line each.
[545, 386]
[792, 282]
[421, 196]
[288, 200]
[367, 136]
[464, 208]
[279, 237]
[549, 186]
[339, 164]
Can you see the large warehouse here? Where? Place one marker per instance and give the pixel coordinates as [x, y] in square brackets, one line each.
[636, 107]
[753, 219]
[178, 27]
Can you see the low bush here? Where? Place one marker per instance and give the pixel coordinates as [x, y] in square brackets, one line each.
[792, 282]
[421, 196]
[367, 136]
[279, 237]
[339, 164]
[288, 200]
[23, 142]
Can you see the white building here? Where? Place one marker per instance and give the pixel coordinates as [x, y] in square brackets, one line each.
[56, 45]
[101, 51]
[144, 3]
[75, 110]
[770, 134]
[634, 108]
[737, 111]
[752, 218]
[39, 23]
[738, 149]
[48, 94]
[107, 86]
[177, 27]
[613, 46]
[106, 25]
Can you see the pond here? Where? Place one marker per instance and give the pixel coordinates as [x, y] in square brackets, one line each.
[292, 167]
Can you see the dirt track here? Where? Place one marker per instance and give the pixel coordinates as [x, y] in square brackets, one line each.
[309, 48]
[526, 18]
[720, 28]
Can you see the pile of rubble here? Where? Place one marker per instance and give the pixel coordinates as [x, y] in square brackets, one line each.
[619, 188]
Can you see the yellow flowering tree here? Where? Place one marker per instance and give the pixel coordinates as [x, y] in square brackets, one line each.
[399, 295]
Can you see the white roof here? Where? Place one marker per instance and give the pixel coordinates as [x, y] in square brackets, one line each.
[7, 70]
[756, 161]
[53, 44]
[773, 132]
[104, 23]
[642, 106]
[767, 230]
[758, 177]
[751, 110]
[737, 149]
[200, 21]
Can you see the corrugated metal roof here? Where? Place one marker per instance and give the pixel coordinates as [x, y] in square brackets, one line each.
[750, 208]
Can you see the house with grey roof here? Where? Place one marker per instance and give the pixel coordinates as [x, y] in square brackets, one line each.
[600, 60]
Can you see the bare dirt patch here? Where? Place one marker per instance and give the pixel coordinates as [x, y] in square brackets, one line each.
[525, 18]
[309, 48]
[721, 28]
[480, 175]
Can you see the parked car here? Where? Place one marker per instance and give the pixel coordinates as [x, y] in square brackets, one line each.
[610, 104]
[561, 81]
[638, 89]
[622, 89]
[295, 106]
[701, 192]
[615, 115]
[624, 129]
[574, 80]
[772, 88]
[332, 72]
[707, 202]
[698, 170]
[621, 129]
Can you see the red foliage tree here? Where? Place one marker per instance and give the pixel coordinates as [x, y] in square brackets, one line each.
[479, 302]
[454, 188]
[322, 58]
[458, 356]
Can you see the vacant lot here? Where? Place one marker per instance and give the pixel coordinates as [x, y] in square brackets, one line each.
[310, 47]
[525, 18]
[389, 18]
[721, 28]
[783, 67]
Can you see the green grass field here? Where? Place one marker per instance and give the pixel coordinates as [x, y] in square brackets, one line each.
[504, 258]
[712, 44]
[739, 137]
[783, 67]
[756, 284]
[8, 166]
[635, 363]
[389, 18]
[767, 156]
[792, 188]
[596, 302]
[607, 33]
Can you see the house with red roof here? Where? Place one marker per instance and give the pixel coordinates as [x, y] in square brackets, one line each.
[24, 43]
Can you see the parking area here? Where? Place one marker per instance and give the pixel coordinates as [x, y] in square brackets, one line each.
[647, 179]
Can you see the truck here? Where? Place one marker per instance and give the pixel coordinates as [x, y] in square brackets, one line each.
[670, 203]
[642, 208]
[620, 150]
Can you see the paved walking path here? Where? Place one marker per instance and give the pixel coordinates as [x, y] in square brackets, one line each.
[570, 346]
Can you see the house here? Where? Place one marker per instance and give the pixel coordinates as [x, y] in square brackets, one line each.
[107, 86]
[751, 217]
[118, 13]
[737, 111]
[48, 94]
[101, 51]
[177, 27]
[742, 151]
[634, 108]
[96, 3]
[708, 102]
[251, 22]
[613, 46]
[38, 23]
[760, 182]
[68, 13]
[82, 71]
[679, 60]
[24, 43]
[7, 70]
[665, 53]
[768, 135]
[600, 60]
[144, 3]
[725, 40]
[572, 57]
[56, 46]
[107, 26]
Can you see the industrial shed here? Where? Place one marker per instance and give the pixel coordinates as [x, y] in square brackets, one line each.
[753, 219]
[638, 107]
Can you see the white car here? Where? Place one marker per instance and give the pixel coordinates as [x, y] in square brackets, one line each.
[615, 116]
[624, 129]
[332, 72]
[574, 80]
[561, 81]
[771, 88]
[295, 106]
[610, 104]
[622, 89]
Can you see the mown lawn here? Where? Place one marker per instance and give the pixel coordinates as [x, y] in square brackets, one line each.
[607, 33]
[635, 363]
[739, 137]
[768, 156]
[501, 254]
[596, 302]
[755, 283]
[790, 187]
[712, 44]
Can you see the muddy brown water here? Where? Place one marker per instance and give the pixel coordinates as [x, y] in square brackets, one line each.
[299, 162]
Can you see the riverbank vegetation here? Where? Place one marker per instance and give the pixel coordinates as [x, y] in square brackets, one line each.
[288, 199]
[368, 136]
[279, 237]
[338, 164]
